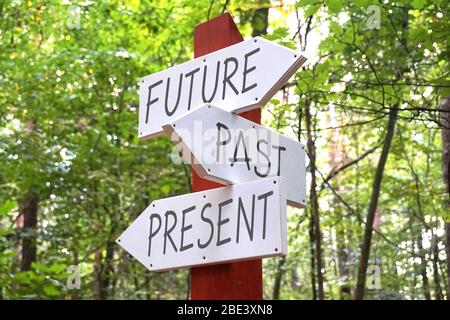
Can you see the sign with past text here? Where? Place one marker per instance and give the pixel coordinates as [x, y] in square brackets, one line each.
[237, 78]
[220, 225]
[226, 148]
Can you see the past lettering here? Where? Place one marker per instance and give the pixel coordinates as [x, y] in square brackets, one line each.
[262, 155]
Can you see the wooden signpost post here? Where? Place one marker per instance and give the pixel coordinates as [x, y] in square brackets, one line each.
[237, 280]
[222, 234]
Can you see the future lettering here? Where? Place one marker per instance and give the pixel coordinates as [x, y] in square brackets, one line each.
[223, 76]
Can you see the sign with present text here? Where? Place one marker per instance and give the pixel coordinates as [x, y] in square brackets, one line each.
[220, 225]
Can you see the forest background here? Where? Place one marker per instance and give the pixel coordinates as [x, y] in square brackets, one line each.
[372, 107]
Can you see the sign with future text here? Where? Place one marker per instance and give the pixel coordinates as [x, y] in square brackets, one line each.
[237, 78]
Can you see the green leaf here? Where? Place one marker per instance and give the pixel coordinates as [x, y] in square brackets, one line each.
[58, 268]
[165, 188]
[275, 101]
[360, 3]
[311, 10]
[335, 6]
[51, 290]
[445, 92]
[7, 207]
[419, 4]
[302, 3]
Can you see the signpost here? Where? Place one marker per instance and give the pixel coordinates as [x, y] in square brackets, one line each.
[232, 224]
[228, 149]
[220, 225]
[241, 77]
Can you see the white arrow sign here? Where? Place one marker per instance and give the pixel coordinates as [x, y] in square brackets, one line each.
[237, 78]
[227, 148]
[226, 224]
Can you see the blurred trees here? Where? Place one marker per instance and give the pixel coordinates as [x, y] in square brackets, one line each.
[73, 174]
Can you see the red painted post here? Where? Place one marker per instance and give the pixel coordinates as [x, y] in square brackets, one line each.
[237, 280]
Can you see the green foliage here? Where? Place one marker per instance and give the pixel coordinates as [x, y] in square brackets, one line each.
[41, 282]
[68, 134]
[7, 207]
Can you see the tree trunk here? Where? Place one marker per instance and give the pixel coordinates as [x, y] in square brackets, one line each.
[445, 116]
[336, 158]
[278, 278]
[344, 263]
[436, 277]
[447, 235]
[97, 289]
[294, 278]
[107, 270]
[28, 210]
[367, 239]
[423, 269]
[314, 203]
[147, 284]
[27, 221]
[313, 258]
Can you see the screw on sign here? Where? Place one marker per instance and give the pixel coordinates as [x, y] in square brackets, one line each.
[222, 234]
